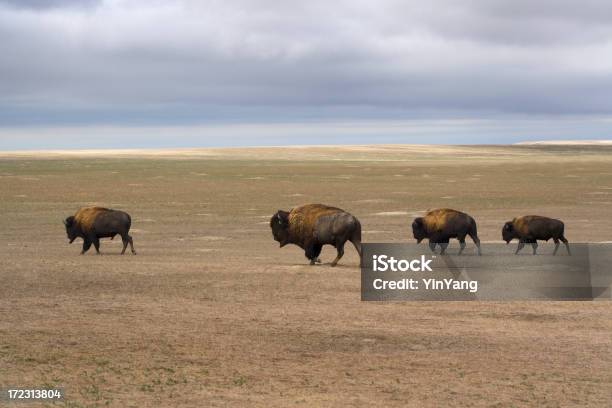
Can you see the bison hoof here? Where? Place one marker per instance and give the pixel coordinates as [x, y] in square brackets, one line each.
[334, 264]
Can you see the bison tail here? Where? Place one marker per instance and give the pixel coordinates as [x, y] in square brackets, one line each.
[356, 237]
[473, 232]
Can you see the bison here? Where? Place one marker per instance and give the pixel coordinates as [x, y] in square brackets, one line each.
[313, 225]
[443, 224]
[93, 223]
[531, 228]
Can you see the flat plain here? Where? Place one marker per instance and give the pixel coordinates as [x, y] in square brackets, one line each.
[212, 313]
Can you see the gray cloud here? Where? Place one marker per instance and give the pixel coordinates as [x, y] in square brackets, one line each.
[48, 4]
[155, 62]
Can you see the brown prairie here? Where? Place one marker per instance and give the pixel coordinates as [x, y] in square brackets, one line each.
[212, 313]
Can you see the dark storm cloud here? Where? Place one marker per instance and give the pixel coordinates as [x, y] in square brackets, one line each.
[148, 62]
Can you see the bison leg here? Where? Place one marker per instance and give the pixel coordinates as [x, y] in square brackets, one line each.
[477, 242]
[443, 246]
[340, 249]
[534, 245]
[96, 243]
[127, 239]
[461, 245]
[432, 246]
[357, 244]
[556, 246]
[132, 245]
[86, 245]
[313, 250]
[520, 246]
[562, 238]
[125, 244]
[317, 252]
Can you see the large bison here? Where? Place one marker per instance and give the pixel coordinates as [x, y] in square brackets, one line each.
[531, 228]
[93, 223]
[439, 226]
[313, 225]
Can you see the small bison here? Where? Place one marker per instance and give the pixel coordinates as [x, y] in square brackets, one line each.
[443, 224]
[93, 223]
[313, 225]
[531, 228]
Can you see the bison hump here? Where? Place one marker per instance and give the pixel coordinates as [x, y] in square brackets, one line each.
[303, 219]
[86, 216]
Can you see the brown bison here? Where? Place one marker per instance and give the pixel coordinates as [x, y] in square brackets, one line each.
[313, 225]
[439, 226]
[93, 223]
[531, 228]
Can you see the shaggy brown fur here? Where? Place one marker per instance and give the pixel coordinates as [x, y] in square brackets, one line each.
[529, 229]
[302, 220]
[86, 216]
[437, 220]
[521, 224]
[93, 223]
[443, 224]
[313, 225]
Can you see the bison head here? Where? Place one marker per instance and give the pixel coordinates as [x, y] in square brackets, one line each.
[508, 232]
[280, 227]
[71, 229]
[418, 229]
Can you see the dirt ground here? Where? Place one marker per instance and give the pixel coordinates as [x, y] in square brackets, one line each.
[212, 313]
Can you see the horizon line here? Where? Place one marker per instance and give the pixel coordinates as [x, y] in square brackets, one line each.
[178, 150]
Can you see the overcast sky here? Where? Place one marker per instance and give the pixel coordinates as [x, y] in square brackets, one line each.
[136, 73]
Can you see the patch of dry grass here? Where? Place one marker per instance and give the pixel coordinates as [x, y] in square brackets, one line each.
[211, 312]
